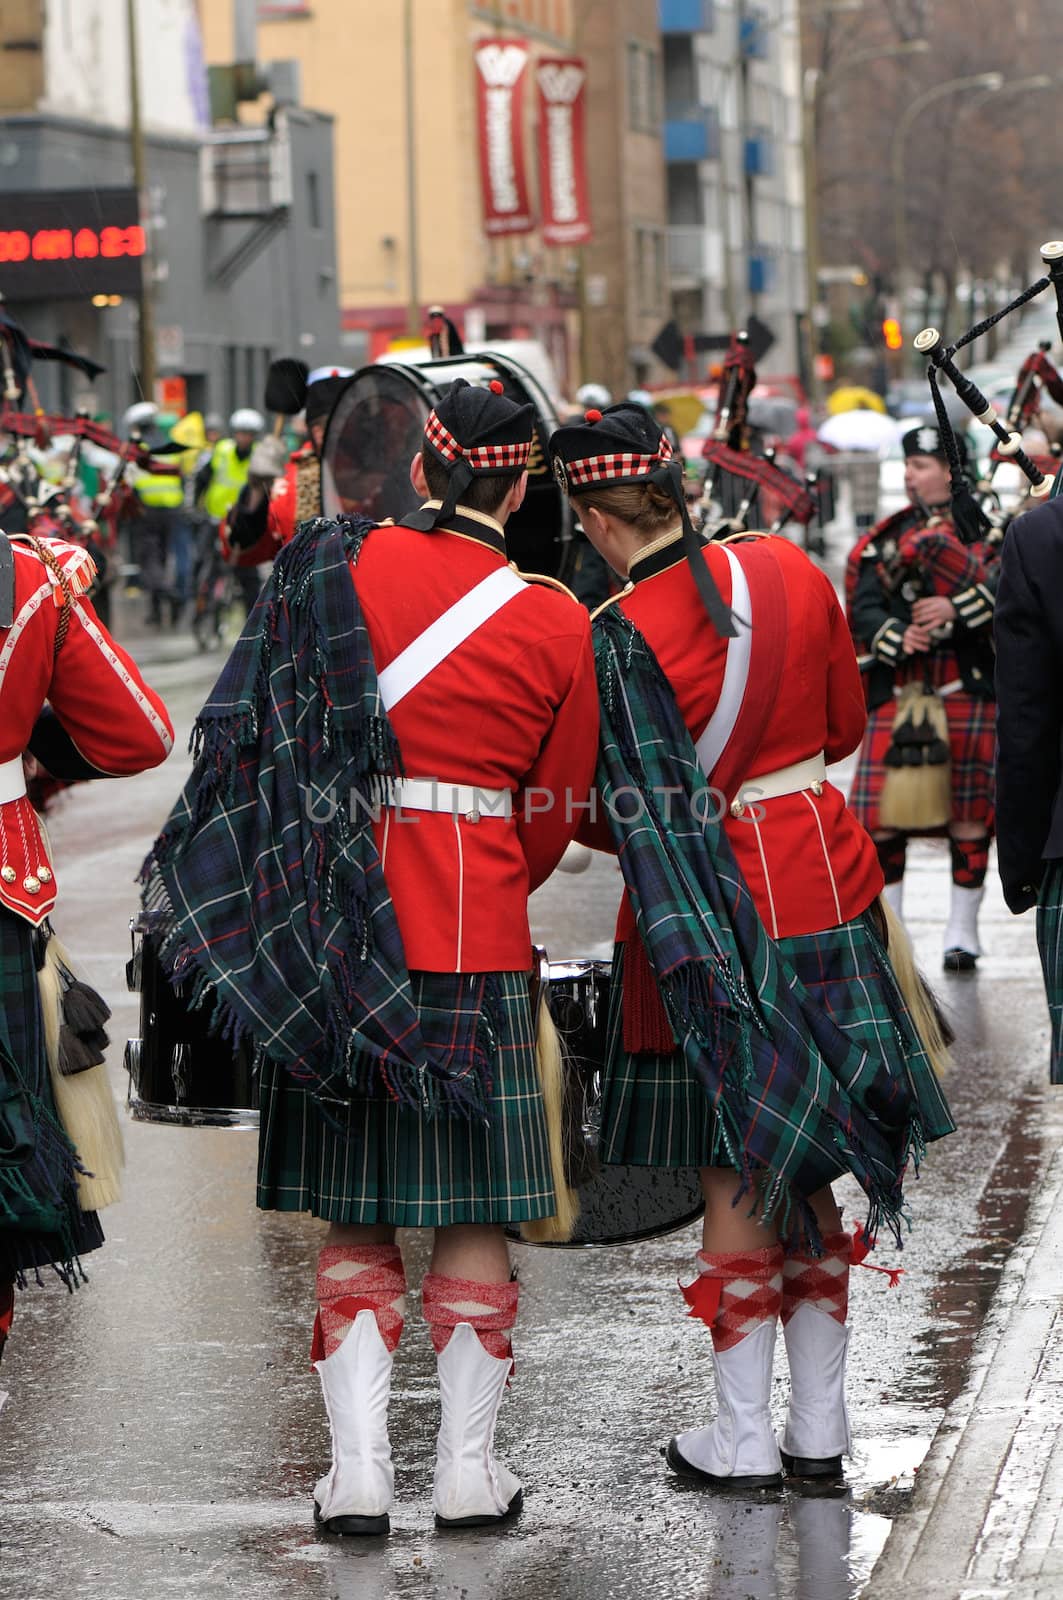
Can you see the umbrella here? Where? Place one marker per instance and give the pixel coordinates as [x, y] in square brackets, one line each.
[854, 397]
[859, 430]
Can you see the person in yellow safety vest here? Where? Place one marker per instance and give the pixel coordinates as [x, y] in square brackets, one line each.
[159, 498]
[224, 473]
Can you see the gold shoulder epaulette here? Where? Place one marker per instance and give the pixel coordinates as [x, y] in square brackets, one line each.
[542, 577]
[612, 600]
[747, 533]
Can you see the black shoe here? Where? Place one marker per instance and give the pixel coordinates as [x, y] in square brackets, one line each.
[687, 1469]
[957, 960]
[515, 1507]
[362, 1527]
[812, 1466]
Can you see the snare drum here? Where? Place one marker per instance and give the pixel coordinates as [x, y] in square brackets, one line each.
[618, 1204]
[180, 1072]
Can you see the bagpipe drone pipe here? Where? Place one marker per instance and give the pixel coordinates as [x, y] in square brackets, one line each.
[376, 427]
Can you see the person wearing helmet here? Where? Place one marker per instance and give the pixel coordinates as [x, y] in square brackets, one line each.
[590, 395]
[276, 500]
[223, 475]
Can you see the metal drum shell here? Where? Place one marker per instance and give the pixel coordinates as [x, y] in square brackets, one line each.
[180, 1073]
[368, 472]
[618, 1204]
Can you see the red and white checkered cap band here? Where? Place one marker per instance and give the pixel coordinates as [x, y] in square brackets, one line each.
[608, 469]
[481, 457]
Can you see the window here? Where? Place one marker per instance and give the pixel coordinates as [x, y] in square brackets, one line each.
[313, 200]
[643, 87]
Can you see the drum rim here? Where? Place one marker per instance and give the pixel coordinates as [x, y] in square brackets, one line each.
[238, 1118]
[514, 1236]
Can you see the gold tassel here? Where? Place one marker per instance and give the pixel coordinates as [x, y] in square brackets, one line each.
[913, 987]
[84, 1099]
[919, 796]
[550, 1060]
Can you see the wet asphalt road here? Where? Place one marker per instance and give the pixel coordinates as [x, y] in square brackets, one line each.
[164, 1429]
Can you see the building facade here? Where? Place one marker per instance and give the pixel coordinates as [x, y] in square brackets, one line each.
[238, 239]
[400, 82]
[625, 266]
[732, 139]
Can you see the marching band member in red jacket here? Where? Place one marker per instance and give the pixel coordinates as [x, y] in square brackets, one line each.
[755, 650]
[488, 709]
[101, 721]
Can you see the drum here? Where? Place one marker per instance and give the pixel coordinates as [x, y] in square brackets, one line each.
[376, 428]
[618, 1204]
[180, 1072]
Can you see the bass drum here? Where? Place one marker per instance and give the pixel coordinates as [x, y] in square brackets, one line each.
[179, 1071]
[376, 427]
[618, 1204]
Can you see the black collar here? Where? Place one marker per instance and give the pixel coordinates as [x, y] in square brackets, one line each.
[469, 524]
[665, 552]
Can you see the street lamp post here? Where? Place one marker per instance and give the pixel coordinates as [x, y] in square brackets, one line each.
[814, 86]
[991, 82]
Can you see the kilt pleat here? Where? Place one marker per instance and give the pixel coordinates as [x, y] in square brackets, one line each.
[655, 1113]
[24, 1067]
[972, 748]
[370, 1160]
[1050, 946]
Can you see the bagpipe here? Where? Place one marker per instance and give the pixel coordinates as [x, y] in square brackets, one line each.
[748, 488]
[1037, 373]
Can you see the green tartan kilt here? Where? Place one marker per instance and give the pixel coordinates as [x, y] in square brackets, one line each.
[1050, 946]
[374, 1161]
[34, 1168]
[656, 1113]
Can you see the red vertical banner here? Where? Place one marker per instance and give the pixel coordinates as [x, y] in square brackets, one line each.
[563, 151]
[500, 73]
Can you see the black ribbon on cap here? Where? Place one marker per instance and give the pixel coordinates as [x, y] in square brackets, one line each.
[669, 477]
[427, 518]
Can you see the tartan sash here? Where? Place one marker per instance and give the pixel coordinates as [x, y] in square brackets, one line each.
[795, 1102]
[265, 886]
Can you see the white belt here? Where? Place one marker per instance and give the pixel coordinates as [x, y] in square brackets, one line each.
[453, 799]
[12, 780]
[808, 774]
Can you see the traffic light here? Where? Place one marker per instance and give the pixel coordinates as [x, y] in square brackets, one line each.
[892, 337]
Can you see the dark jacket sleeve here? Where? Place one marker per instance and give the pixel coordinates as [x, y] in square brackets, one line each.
[1030, 703]
[872, 617]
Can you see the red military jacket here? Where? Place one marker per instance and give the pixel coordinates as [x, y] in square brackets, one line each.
[117, 724]
[514, 707]
[809, 863]
[281, 513]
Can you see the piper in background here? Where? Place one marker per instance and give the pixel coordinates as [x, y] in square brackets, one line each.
[380, 960]
[103, 721]
[920, 603]
[756, 1027]
[275, 501]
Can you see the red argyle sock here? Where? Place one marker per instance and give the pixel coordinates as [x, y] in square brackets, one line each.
[735, 1292]
[353, 1278]
[970, 861]
[490, 1308]
[819, 1281]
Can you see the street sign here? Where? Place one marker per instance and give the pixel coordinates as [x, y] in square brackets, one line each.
[170, 346]
[171, 394]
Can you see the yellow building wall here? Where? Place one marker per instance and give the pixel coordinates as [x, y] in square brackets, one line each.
[352, 55]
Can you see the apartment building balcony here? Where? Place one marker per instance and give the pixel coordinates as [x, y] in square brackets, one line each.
[691, 134]
[687, 16]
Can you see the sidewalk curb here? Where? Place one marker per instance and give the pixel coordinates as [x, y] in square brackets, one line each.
[936, 1545]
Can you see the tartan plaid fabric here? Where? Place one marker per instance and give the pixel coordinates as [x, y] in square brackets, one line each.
[821, 1282]
[756, 469]
[1050, 947]
[258, 892]
[41, 1222]
[485, 458]
[750, 1291]
[615, 468]
[972, 745]
[797, 1097]
[654, 1111]
[373, 1160]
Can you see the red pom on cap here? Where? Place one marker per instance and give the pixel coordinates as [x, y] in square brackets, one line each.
[496, 387]
[593, 415]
